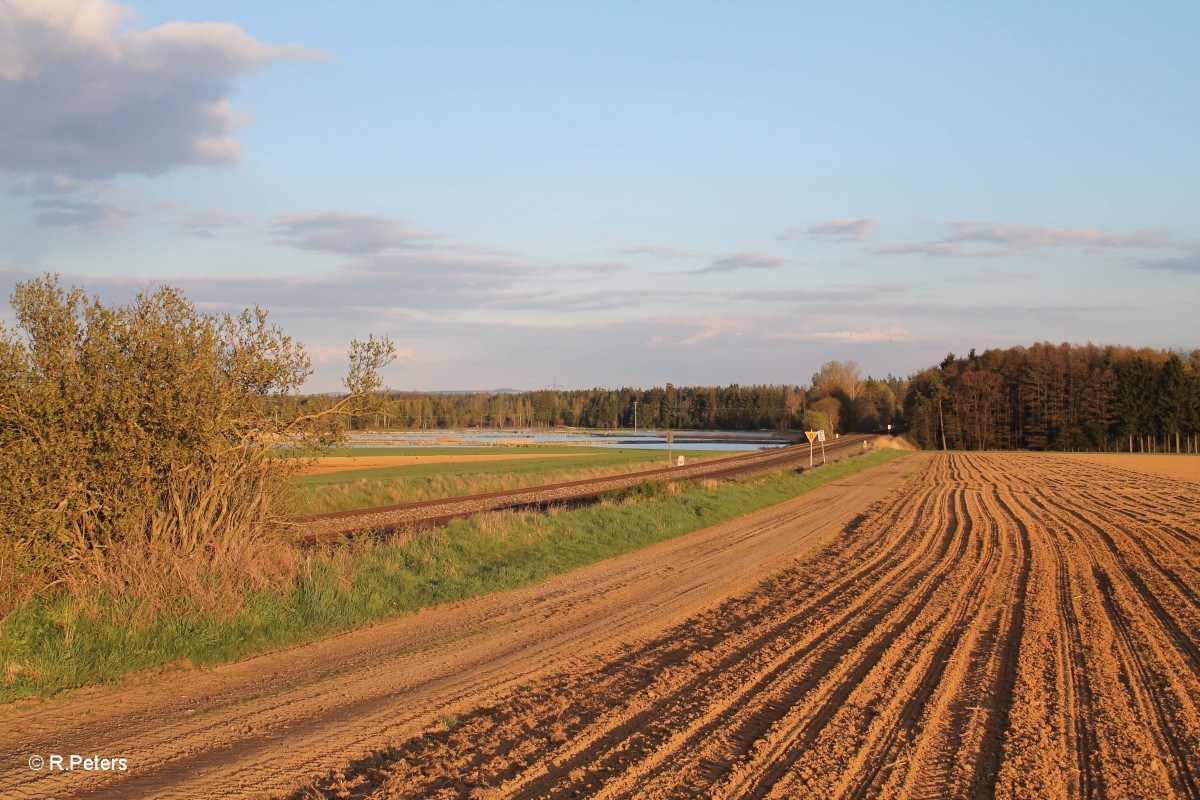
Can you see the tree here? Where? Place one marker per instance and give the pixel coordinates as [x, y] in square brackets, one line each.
[816, 421]
[1171, 400]
[838, 378]
[831, 407]
[152, 429]
[1138, 377]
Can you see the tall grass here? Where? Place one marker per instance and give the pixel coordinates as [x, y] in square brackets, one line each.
[54, 642]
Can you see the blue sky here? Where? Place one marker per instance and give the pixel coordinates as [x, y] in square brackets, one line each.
[616, 193]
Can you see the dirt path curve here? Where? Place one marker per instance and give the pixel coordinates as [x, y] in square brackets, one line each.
[257, 728]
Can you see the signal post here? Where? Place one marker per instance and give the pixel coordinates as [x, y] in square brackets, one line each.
[815, 436]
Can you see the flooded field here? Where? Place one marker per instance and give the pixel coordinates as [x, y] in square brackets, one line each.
[642, 440]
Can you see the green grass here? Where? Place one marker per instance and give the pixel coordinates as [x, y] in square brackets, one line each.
[51, 644]
[342, 491]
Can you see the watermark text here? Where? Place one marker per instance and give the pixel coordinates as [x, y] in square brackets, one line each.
[56, 762]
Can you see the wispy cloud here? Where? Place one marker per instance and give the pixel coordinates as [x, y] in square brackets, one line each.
[346, 234]
[739, 261]
[709, 328]
[1188, 264]
[1027, 237]
[657, 251]
[840, 229]
[822, 294]
[962, 237]
[60, 201]
[205, 225]
[951, 249]
[81, 212]
[894, 333]
[603, 300]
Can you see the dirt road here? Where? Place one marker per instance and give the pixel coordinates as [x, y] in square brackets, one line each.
[256, 729]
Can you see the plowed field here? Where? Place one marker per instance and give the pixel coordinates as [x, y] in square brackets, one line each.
[1181, 467]
[1013, 626]
[999, 626]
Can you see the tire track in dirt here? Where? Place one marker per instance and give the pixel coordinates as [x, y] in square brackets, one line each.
[922, 676]
[966, 719]
[1151, 698]
[1068, 684]
[1136, 546]
[682, 699]
[859, 731]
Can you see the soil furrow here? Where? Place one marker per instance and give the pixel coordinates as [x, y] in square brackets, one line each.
[590, 754]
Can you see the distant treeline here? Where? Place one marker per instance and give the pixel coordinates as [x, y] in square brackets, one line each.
[1058, 397]
[1044, 397]
[838, 401]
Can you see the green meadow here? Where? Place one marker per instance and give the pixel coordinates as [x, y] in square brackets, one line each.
[61, 640]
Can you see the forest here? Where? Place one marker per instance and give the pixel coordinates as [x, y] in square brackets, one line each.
[836, 400]
[1043, 397]
[1058, 397]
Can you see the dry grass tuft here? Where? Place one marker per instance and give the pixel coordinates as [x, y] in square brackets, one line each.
[159, 576]
[14, 670]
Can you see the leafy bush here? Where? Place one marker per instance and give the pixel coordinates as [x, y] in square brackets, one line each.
[135, 440]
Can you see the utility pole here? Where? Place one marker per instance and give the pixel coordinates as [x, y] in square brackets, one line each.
[635, 402]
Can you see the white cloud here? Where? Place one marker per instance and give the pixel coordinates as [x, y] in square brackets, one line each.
[84, 95]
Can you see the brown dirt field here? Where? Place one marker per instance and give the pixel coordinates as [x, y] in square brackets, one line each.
[1000, 626]
[328, 464]
[1180, 467]
[264, 726]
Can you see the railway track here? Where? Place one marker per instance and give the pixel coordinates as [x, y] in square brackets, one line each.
[319, 528]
